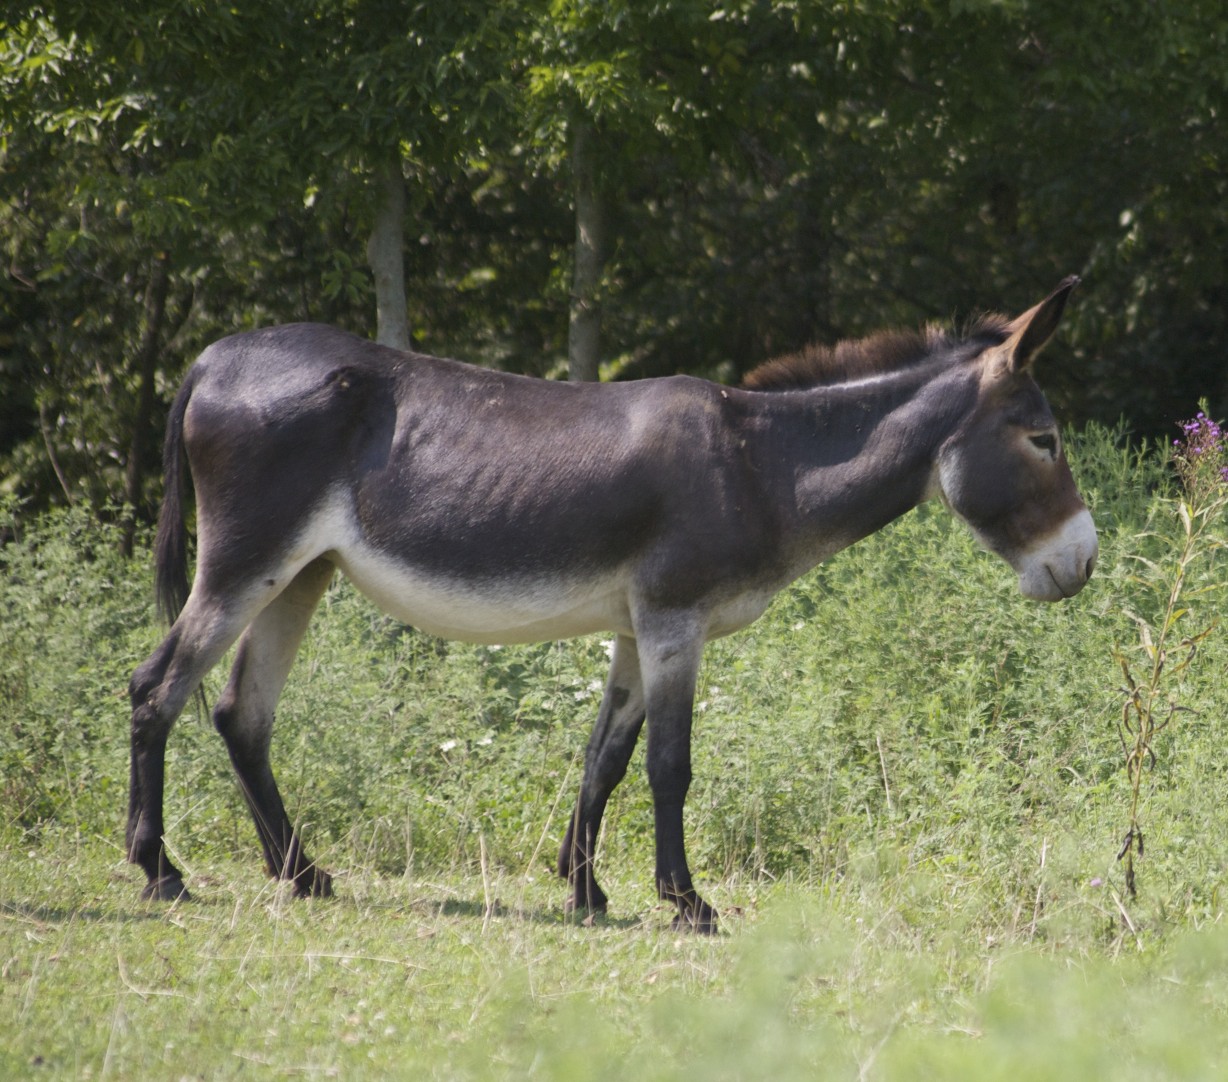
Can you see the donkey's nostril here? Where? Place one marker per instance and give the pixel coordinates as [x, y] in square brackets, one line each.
[1091, 566]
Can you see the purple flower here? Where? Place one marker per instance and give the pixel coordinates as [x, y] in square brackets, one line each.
[1202, 454]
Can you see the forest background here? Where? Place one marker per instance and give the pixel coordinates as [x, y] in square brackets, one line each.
[615, 189]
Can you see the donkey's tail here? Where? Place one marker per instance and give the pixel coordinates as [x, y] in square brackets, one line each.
[171, 546]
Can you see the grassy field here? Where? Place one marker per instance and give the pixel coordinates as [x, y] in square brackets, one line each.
[910, 796]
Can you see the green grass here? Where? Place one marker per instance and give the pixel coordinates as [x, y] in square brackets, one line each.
[908, 803]
[459, 978]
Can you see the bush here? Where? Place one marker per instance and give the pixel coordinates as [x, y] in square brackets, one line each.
[74, 620]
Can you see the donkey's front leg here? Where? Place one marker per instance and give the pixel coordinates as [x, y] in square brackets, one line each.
[670, 667]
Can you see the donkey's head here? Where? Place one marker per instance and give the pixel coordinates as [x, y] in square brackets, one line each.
[1004, 470]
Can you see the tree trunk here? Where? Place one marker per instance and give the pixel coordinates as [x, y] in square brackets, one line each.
[584, 325]
[385, 254]
[146, 365]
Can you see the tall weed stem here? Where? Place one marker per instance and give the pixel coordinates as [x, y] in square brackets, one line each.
[1151, 698]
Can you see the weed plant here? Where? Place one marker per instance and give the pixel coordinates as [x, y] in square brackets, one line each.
[1195, 534]
[907, 806]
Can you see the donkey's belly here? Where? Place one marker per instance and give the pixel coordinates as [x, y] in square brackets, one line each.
[530, 609]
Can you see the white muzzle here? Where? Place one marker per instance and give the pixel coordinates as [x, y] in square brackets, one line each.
[1059, 565]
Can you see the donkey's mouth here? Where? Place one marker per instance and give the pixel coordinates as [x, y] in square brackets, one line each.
[1046, 583]
[1060, 589]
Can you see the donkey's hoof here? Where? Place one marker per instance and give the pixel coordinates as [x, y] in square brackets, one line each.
[166, 888]
[699, 918]
[585, 915]
[578, 905]
[313, 883]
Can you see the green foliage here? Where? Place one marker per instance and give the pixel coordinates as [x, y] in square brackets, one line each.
[235, 153]
[74, 622]
[777, 173]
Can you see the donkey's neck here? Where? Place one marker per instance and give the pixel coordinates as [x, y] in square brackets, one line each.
[850, 458]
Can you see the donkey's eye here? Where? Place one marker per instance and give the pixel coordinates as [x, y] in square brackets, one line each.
[1046, 442]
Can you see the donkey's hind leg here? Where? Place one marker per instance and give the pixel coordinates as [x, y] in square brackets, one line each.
[605, 763]
[244, 717]
[159, 689]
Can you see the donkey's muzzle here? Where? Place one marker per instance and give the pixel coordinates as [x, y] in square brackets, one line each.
[1059, 566]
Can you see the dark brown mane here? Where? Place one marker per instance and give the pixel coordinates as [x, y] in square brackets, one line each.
[858, 358]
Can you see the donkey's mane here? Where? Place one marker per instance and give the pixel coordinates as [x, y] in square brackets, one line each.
[876, 354]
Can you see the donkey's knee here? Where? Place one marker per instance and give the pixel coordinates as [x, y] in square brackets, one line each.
[227, 718]
[669, 773]
[243, 716]
[609, 765]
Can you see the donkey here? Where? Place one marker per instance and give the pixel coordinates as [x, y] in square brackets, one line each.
[490, 507]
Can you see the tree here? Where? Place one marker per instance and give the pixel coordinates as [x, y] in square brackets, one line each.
[192, 132]
[385, 253]
[92, 291]
[676, 186]
[616, 93]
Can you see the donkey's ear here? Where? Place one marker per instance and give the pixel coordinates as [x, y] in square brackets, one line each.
[1030, 331]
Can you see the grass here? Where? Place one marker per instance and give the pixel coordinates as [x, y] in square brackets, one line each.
[908, 803]
[423, 978]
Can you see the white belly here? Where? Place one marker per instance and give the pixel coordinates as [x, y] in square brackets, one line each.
[528, 610]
